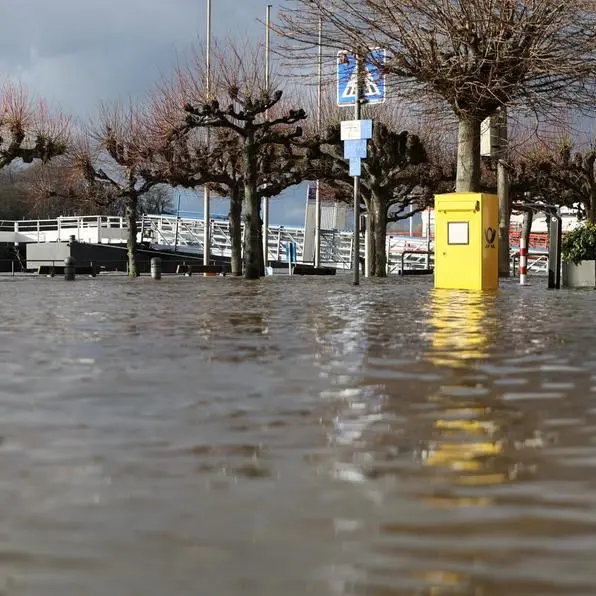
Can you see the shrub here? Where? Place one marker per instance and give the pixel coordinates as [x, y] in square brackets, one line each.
[580, 244]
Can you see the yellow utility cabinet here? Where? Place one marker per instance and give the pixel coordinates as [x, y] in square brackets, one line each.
[466, 241]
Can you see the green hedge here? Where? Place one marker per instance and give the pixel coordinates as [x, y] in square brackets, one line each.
[580, 244]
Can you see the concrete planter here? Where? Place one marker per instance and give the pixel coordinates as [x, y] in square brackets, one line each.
[579, 276]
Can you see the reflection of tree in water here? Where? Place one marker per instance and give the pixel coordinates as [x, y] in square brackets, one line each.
[237, 329]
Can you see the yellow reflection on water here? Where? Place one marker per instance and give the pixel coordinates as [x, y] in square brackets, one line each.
[465, 452]
[463, 326]
[466, 435]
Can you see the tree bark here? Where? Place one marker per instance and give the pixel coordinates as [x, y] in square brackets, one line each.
[504, 218]
[527, 227]
[235, 223]
[252, 251]
[591, 207]
[252, 211]
[261, 250]
[468, 156]
[379, 235]
[131, 210]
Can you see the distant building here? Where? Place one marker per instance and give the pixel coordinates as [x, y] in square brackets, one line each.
[334, 216]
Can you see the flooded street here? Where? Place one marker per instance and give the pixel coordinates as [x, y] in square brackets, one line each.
[296, 436]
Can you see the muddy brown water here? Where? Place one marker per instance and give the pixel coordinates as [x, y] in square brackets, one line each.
[296, 436]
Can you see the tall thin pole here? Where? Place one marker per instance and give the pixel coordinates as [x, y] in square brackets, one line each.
[356, 237]
[177, 224]
[319, 121]
[267, 82]
[503, 193]
[206, 190]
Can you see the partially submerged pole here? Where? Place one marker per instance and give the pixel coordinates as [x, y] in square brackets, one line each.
[319, 119]
[69, 268]
[267, 85]
[156, 268]
[356, 235]
[523, 260]
[206, 189]
[554, 251]
[524, 243]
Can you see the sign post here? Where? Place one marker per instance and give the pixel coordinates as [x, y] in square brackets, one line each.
[358, 80]
[356, 174]
[291, 255]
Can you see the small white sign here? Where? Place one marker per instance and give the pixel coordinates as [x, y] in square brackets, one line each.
[355, 130]
[458, 232]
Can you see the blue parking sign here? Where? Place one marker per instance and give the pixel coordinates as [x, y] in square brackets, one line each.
[373, 84]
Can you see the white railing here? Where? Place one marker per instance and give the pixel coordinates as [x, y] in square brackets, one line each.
[90, 228]
[167, 231]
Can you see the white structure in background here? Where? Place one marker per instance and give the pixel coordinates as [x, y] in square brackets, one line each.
[540, 223]
[334, 216]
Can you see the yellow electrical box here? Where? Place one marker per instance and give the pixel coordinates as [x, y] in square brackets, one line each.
[466, 241]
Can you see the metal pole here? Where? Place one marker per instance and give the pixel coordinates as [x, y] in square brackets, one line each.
[206, 190]
[428, 239]
[554, 251]
[367, 247]
[319, 120]
[267, 82]
[177, 223]
[356, 237]
[523, 260]
[503, 193]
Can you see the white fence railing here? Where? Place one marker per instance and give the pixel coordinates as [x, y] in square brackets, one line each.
[167, 231]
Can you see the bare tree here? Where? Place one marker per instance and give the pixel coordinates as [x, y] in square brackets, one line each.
[28, 131]
[476, 56]
[398, 179]
[555, 175]
[252, 153]
[13, 197]
[51, 190]
[157, 201]
[111, 159]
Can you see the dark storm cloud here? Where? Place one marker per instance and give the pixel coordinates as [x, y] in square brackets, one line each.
[77, 53]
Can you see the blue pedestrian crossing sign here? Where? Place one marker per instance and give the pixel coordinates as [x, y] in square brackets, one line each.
[373, 90]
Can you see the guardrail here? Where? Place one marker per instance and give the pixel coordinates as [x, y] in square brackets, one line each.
[428, 254]
[537, 263]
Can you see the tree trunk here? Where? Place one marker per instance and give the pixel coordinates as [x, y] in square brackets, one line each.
[379, 234]
[252, 211]
[131, 210]
[527, 227]
[504, 218]
[235, 222]
[468, 156]
[591, 207]
[252, 237]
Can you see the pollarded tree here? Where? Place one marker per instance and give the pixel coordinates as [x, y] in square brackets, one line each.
[187, 161]
[556, 175]
[28, 131]
[111, 159]
[51, 190]
[397, 176]
[475, 55]
[259, 139]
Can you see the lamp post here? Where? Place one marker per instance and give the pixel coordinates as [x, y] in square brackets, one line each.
[319, 116]
[267, 83]
[206, 190]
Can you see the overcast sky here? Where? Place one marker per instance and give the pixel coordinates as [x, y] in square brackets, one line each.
[78, 53]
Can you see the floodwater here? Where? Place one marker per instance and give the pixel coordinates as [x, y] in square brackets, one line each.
[295, 436]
